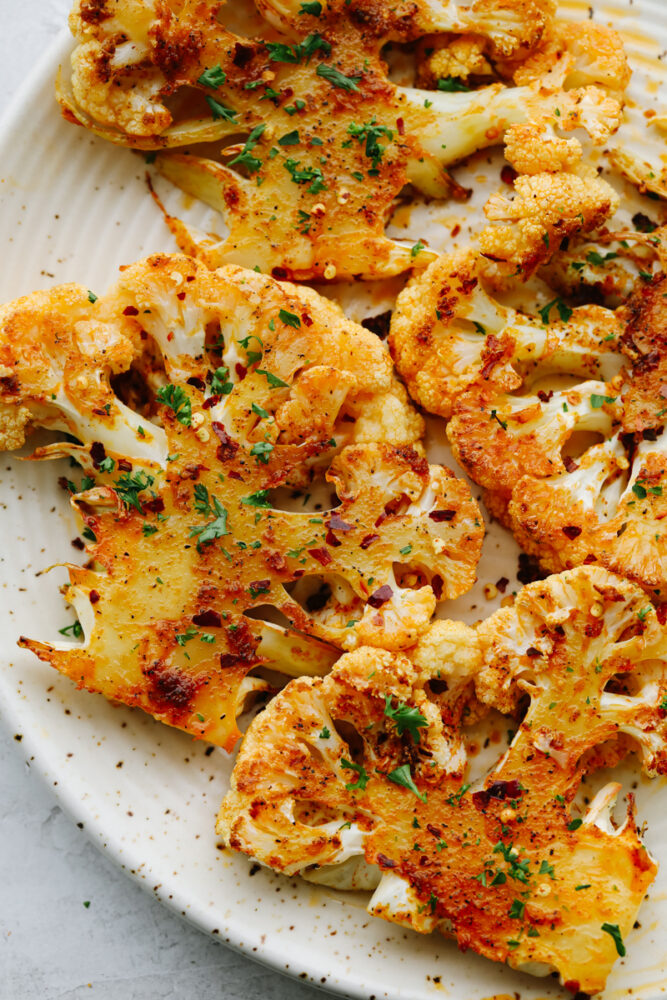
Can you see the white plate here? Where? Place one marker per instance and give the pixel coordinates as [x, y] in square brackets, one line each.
[75, 208]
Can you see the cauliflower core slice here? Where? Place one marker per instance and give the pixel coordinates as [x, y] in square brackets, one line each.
[190, 554]
[313, 126]
[369, 763]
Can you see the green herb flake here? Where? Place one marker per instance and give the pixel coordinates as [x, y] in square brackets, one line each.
[362, 775]
[177, 400]
[405, 717]
[336, 78]
[402, 776]
[615, 932]
[213, 77]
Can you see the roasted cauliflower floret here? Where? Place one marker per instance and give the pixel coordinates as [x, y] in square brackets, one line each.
[357, 778]
[314, 126]
[257, 388]
[455, 59]
[609, 506]
[447, 332]
[58, 350]
[546, 209]
[576, 54]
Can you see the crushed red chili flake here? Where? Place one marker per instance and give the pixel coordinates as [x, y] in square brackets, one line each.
[331, 540]
[94, 596]
[78, 543]
[661, 613]
[434, 830]
[545, 396]
[240, 370]
[532, 651]
[380, 596]
[97, 453]
[571, 531]
[442, 515]
[228, 446]
[501, 584]
[400, 125]
[321, 555]
[367, 541]
[590, 558]
[211, 401]
[207, 619]
[197, 383]
[306, 320]
[436, 586]
[385, 862]
[498, 790]
[180, 296]
[124, 465]
[130, 311]
[337, 523]
[570, 464]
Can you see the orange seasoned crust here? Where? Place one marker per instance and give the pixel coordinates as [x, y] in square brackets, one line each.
[189, 539]
[363, 768]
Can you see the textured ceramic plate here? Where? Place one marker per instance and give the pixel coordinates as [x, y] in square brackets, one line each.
[74, 208]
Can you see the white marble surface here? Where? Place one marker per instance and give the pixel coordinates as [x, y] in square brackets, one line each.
[124, 945]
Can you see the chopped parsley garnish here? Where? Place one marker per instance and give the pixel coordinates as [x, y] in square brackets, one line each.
[615, 932]
[290, 319]
[245, 157]
[564, 310]
[362, 775]
[597, 402]
[417, 248]
[402, 776]
[325, 734]
[406, 717]
[177, 400]
[107, 465]
[219, 110]
[290, 139]
[313, 7]
[217, 528]
[130, 485]
[91, 296]
[307, 175]
[74, 629]
[274, 380]
[451, 84]
[280, 52]
[575, 824]
[258, 499]
[336, 78]
[371, 132]
[213, 77]
[262, 451]
[641, 491]
[148, 529]
[595, 258]
[220, 384]
[517, 909]
[183, 637]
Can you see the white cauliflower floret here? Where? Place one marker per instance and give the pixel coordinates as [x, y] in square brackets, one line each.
[448, 332]
[362, 771]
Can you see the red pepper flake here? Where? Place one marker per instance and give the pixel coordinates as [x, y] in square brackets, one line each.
[180, 296]
[367, 541]
[156, 505]
[442, 515]
[94, 597]
[321, 555]
[570, 464]
[211, 401]
[337, 523]
[97, 453]
[331, 540]
[532, 651]
[130, 311]
[544, 396]
[229, 660]
[590, 558]
[207, 619]
[400, 125]
[456, 230]
[385, 862]
[436, 586]
[227, 447]
[498, 790]
[571, 531]
[508, 175]
[198, 383]
[380, 596]
[661, 613]
[78, 543]
[306, 319]
[434, 830]
[240, 370]
[124, 465]
[233, 474]
[501, 584]
[281, 273]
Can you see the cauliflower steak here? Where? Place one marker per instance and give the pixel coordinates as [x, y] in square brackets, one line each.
[358, 779]
[201, 572]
